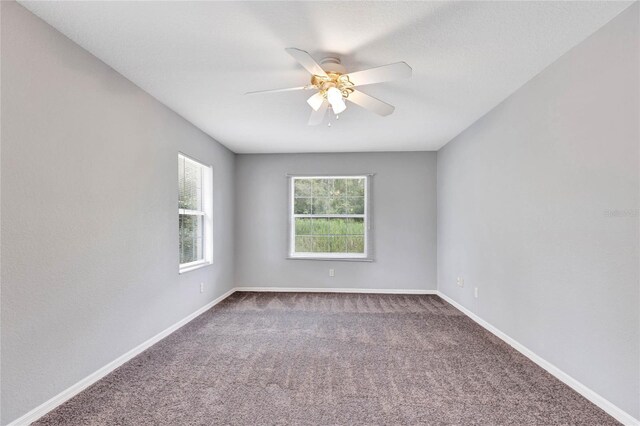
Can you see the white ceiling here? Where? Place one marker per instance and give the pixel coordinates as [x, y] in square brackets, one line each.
[199, 58]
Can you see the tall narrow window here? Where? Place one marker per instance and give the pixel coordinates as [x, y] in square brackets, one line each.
[329, 217]
[194, 213]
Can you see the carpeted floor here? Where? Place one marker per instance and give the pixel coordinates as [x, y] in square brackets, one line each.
[329, 359]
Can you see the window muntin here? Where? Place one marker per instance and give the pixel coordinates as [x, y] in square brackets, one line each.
[194, 213]
[328, 217]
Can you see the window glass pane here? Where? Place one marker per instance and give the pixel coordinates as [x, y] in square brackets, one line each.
[355, 205]
[191, 238]
[339, 187]
[321, 205]
[339, 244]
[302, 187]
[329, 196]
[190, 184]
[329, 235]
[339, 205]
[322, 244]
[312, 226]
[305, 244]
[322, 226]
[180, 179]
[302, 206]
[355, 187]
[328, 244]
[354, 244]
[321, 187]
[304, 226]
[346, 226]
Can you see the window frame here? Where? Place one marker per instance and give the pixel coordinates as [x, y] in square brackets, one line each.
[206, 213]
[367, 256]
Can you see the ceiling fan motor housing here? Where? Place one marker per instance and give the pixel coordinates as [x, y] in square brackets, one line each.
[332, 64]
[336, 77]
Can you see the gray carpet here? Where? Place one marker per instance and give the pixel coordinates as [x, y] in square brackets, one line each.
[329, 359]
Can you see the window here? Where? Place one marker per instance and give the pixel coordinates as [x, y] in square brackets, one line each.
[194, 213]
[329, 217]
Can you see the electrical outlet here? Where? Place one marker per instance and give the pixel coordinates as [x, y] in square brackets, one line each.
[460, 282]
[332, 272]
[475, 292]
[201, 287]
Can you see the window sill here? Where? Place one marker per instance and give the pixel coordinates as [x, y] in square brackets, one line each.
[193, 266]
[333, 259]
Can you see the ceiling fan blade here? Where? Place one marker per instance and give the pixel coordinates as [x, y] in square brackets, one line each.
[370, 103]
[381, 74]
[317, 116]
[290, 89]
[315, 101]
[306, 61]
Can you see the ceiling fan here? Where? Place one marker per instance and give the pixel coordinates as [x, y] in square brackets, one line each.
[334, 85]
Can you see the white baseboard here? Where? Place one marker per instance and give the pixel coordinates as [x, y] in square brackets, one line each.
[607, 406]
[75, 389]
[67, 394]
[336, 290]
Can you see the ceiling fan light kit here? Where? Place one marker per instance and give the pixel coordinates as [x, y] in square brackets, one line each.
[334, 96]
[334, 85]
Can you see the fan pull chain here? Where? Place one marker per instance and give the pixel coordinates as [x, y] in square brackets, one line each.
[337, 118]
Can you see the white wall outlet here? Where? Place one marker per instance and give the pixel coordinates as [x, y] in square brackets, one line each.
[332, 272]
[201, 287]
[460, 282]
[475, 292]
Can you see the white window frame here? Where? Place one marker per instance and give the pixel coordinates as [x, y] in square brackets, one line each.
[367, 256]
[207, 213]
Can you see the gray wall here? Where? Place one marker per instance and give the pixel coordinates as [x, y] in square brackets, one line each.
[89, 220]
[523, 197]
[404, 221]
